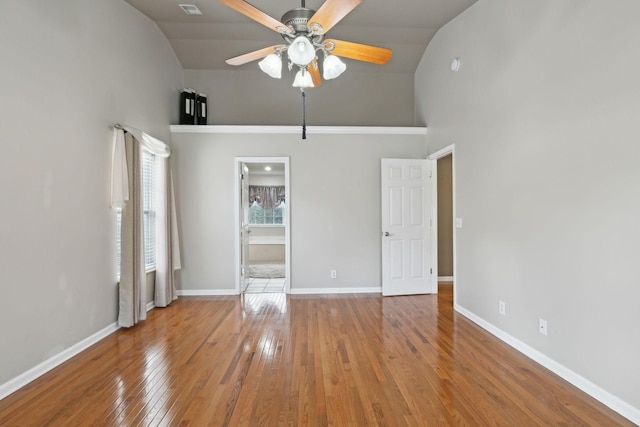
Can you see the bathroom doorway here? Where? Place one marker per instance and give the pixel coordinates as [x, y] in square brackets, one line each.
[263, 218]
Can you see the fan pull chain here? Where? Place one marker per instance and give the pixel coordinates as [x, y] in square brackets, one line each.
[304, 118]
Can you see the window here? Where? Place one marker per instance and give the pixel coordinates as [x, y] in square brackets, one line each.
[267, 204]
[259, 216]
[149, 208]
[149, 212]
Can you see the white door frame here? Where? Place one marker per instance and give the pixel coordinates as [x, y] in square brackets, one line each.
[238, 161]
[450, 149]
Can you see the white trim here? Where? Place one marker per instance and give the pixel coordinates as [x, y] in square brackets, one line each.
[151, 305]
[322, 291]
[450, 149]
[25, 378]
[433, 223]
[206, 292]
[444, 152]
[598, 393]
[445, 278]
[343, 130]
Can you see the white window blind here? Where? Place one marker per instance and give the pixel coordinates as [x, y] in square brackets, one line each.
[149, 207]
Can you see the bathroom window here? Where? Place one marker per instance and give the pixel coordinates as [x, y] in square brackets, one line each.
[260, 216]
[267, 204]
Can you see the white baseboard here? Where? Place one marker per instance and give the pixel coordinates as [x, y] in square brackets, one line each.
[205, 292]
[445, 278]
[598, 393]
[44, 367]
[151, 305]
[297, 291]
[318, 291]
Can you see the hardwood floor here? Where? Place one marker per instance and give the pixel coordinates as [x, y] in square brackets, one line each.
[273, 359]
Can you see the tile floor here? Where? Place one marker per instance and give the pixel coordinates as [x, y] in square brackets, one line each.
[255, 286]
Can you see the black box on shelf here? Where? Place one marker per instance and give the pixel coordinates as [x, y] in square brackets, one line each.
[187, 107]
[201, 109]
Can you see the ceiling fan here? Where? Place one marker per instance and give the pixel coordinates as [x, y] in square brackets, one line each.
[303, 31]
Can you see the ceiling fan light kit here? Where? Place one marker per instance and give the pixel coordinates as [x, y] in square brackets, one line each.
[303, 79]
[301, 52]
[332, 67]
[272, 65]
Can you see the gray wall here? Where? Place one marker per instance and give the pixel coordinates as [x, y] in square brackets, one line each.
[353, 99]
[335, 204]
[544, 115]
[70, 70]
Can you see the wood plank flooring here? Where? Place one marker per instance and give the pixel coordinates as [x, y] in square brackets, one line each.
[273, 359]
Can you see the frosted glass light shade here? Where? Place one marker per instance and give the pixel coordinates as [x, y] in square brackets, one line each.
[332, 67]
[303, 79]
[301, 51]
[272, 65]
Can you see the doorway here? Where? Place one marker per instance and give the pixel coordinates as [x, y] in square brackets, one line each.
[444, 212]
[262, 225]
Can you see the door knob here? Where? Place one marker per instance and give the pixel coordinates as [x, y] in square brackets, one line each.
[387, 234]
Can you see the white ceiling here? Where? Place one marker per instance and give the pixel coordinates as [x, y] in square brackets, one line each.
[258, 168]
[204, 42]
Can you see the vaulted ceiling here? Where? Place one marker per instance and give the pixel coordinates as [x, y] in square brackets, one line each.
[204, 42]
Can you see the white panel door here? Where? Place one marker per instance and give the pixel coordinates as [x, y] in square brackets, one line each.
[406, 258]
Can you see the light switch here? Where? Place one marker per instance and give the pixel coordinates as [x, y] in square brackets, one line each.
[458, 222]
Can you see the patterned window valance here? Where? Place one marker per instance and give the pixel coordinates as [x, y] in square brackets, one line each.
[266, 196]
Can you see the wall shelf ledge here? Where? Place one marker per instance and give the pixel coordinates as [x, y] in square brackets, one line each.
[342, 130]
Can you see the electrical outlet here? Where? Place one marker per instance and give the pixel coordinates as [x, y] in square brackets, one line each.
[334, 274]
[542, 327]
[502, 308]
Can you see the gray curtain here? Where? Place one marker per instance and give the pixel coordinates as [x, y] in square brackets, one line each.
[266, 196]
[133, 277]
[167, 255]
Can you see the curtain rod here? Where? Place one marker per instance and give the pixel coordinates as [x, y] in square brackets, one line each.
[118, 126]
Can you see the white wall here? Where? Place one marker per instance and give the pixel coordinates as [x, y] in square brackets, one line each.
[335, 204]
[241, 97]
[544, 115]
[70, 70]
[263, 179]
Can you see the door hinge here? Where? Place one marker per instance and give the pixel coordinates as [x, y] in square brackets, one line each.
[431, 271]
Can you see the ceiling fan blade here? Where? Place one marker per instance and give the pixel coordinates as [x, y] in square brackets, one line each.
[330, 13]
[361, 52]
[314, 70]
[252, 56]
[257, 15]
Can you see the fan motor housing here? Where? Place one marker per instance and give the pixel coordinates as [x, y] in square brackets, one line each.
[297, 19]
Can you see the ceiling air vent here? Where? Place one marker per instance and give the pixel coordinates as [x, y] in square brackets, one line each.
[190, 9]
